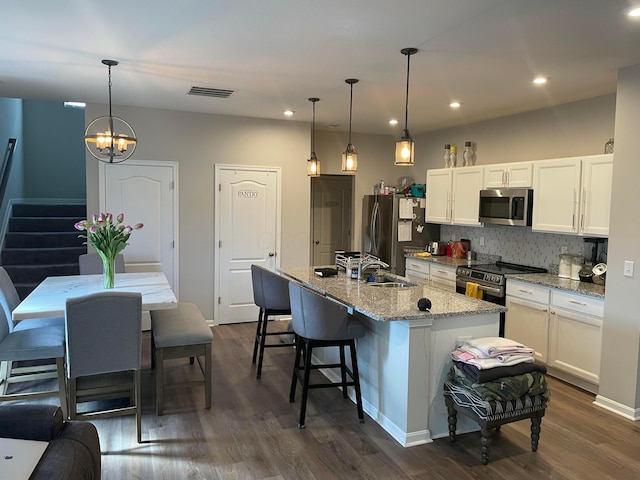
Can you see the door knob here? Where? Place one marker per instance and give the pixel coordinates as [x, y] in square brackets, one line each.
[272, 254]
[317, 242]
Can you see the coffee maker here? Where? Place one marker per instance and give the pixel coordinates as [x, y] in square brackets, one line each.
[591, 252]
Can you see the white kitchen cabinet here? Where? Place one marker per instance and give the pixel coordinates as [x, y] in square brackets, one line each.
[438, 205]
[416, 269]
[509, 175]
[527, 316]
[575, 335]
[453, 195]
[443, 276]
[573, 195]
[597, 173]
[556, 195]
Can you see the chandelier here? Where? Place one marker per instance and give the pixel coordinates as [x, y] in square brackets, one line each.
[110, 139]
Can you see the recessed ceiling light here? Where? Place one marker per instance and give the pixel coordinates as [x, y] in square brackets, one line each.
[393, 121]
[540, 80]
[288, 113]
[455, 104]
[635, 12]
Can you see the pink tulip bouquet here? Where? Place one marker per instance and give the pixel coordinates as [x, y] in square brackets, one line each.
[109, 238]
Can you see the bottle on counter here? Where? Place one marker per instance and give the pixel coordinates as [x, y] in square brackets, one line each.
[453, 156]
[447, 155]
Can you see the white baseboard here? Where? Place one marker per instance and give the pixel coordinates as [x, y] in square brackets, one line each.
[617, 408]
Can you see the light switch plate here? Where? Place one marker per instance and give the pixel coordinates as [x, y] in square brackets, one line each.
[628, 268]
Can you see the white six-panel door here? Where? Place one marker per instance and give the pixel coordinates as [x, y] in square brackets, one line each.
[145, 192]
[247, 231]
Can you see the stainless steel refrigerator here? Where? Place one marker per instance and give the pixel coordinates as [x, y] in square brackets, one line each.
[392, 222]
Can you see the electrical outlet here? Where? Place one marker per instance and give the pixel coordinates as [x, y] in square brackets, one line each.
[481, 241]
[628, 268]
[564, 249]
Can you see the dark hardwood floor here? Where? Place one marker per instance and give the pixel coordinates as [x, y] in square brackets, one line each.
[251, 433]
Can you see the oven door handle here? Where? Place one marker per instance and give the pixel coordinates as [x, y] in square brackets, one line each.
[492, 290]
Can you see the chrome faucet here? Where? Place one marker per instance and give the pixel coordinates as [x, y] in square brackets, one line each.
[369, 261]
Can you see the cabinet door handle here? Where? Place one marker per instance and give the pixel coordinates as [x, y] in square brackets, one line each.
[544, 310]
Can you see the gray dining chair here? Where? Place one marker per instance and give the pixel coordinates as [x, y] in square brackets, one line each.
[91, 264]
[32, 344]
[321, 322]
[9, 373]
[271, 295]
[104, 348]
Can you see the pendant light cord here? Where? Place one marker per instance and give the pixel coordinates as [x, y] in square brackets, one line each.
[110, 91]
[350, 111]
[313, 128]
[406, 102]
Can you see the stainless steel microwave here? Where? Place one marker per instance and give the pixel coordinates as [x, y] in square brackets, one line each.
[508, 206]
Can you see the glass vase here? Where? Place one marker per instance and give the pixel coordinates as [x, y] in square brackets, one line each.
[109, 265]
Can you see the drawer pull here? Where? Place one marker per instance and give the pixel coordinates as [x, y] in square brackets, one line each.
[525, 291]
[582, 304]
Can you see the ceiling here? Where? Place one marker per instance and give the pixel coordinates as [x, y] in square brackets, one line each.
[275, 54]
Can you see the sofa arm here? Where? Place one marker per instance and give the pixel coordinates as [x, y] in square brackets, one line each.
[31, 422]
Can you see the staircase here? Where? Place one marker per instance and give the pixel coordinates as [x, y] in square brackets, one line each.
[41, 242]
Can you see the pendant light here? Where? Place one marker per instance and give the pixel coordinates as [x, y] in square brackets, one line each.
[404, 146]
[313, 164]
[350, 155]
[109, 138]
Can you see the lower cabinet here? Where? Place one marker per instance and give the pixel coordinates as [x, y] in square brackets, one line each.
[527, 317]
[440, 276]
[564, 329]
[443, 277]
[575, 335]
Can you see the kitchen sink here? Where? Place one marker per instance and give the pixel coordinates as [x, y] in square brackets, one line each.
[388, 282]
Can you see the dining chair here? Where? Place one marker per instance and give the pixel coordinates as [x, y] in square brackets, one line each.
[271, 295]
[321, 322]
[10, 374]
[91, 264]
[104, 345]
[28, 345]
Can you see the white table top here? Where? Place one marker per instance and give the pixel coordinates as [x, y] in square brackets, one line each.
[49, 298]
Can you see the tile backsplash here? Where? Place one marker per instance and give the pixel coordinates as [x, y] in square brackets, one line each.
[519, 244]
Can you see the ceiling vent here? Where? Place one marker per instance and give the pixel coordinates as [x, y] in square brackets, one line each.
[211, 92]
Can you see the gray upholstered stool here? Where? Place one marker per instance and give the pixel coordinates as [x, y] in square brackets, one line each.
[179, 333]
[492, 414]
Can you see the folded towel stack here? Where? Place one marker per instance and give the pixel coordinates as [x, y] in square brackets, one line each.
[497, 369]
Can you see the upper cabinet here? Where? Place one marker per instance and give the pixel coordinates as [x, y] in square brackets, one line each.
[597, 172]
[453, 195]
[509, 175]
[572, 195]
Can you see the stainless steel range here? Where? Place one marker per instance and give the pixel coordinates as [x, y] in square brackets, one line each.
[491, 280]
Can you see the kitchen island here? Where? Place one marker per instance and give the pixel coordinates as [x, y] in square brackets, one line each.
[405, 356]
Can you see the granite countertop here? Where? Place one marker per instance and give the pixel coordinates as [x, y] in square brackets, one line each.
[450, 261]
[387, 304]
[553, 281]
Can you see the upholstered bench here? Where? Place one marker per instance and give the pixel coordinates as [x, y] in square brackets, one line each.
[492, 414]
[179, 333]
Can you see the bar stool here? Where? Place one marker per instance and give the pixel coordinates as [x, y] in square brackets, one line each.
[320, 322]
[271, 295]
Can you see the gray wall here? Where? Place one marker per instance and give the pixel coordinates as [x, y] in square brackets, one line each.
[54, 166]
[11, 127]
[619, 380]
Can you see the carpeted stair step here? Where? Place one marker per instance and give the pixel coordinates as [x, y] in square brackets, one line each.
[47, 210]
[43, 224]
[43, 239]
[41, 256]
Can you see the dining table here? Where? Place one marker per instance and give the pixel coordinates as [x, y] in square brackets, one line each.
[49, 298]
